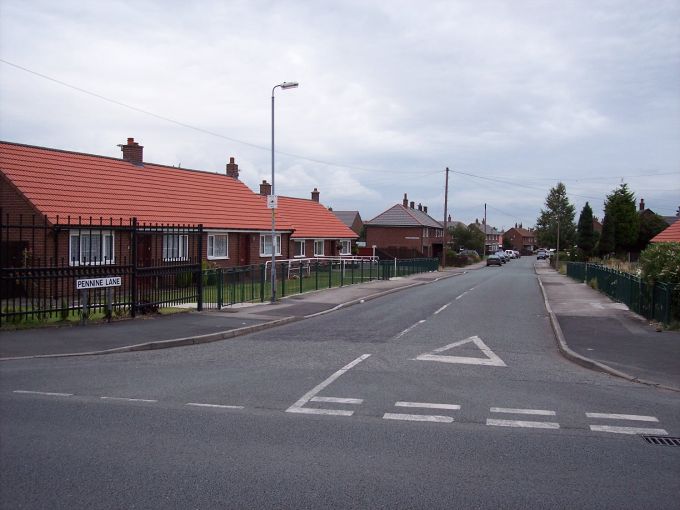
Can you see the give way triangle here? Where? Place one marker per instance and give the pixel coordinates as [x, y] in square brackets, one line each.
[490, 359]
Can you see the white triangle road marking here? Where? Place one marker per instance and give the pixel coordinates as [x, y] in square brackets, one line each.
[491, 358]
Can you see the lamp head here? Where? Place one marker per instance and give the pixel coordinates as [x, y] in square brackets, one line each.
[289, 85]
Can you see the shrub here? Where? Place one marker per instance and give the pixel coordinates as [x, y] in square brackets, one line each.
[661, 263]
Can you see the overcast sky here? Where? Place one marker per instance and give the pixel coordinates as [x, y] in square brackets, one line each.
[521, 93]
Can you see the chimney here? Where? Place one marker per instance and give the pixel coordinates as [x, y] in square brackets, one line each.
[315, 195]
[420, 207]
[232, 169]
[265, 189]
[132, 152]
[425, 209]
[642, 204]
[449, 218]
[413, 205]
[405, 202]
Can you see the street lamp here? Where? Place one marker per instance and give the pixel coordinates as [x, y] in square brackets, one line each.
[272, 203]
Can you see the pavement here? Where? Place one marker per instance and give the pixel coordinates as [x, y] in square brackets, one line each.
[589, 327]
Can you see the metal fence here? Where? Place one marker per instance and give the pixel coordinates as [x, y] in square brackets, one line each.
[156, 266]
[659, 302]
[225, 287]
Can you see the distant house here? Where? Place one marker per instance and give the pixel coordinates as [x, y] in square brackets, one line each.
[670, 235]
[521, 239]
[405, 230]
[494, 238]
[351, 219]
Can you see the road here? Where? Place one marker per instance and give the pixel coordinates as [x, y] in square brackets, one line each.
[448, 395]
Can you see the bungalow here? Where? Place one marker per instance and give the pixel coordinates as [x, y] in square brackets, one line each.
[352, 219]
[404, 231]
[670, 235]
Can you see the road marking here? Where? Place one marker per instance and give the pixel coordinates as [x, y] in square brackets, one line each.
[524, 424]
[129, 399]
[628, 430]
[426, 405]
[458, 297]
[539, 412]
[297, 407]
[336, 400]
[632, 417]
[442, 308]
[409, 329]
[219, 406]
[417, 417]
[48, 393]
[491, 358]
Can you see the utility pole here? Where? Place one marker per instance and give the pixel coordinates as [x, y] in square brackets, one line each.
[446, 215]
[485, 238]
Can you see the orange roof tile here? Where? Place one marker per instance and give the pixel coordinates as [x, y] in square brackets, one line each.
[310, 219]
[61, 183]
[670, 235]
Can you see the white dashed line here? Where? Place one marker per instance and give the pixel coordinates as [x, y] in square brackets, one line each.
[409, 329]
[129, 399]
[426, 405]
[458, 297]
[297, 407]
[628, 430]
[538, 412]
[336, 400]
[442, 308]
[219, 406]
[523, 424]
[417, 417]
[632, 417]
[48, 393]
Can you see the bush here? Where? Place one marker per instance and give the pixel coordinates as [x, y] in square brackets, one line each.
[661, 263]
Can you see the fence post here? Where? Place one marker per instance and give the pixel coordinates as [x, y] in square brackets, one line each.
[200, 269]
[284, 275]
[133, 276]
[262, 277]
[219, 277]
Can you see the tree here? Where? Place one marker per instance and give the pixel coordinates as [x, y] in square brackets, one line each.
[585, 236]
[605, 245]
[619, 208]
[557, 210]
[470, 238]
[650, 225]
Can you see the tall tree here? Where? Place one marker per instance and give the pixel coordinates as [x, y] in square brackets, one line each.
[619, 208]
[470, 238]
[650, 225]
[557, 210]
[585, 235]
[605, 245]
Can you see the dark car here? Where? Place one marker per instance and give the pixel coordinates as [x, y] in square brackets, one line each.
[494, 260]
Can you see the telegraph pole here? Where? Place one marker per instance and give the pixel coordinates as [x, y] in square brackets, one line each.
[446, 215]
[485, 238]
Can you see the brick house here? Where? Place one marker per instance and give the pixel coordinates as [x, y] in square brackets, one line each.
[669, 235]
[521, 239]
[494, 238]
[89, 201]
[405, 231]
[352, 219]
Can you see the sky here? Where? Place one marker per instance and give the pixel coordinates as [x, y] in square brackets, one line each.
[513, 97]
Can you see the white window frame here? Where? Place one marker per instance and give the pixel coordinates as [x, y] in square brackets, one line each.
[316, 243]
[211, 246]
[78, 259]
[263, 245]
[426, 232]
[182, 247]
[345, 247]
[302, 243]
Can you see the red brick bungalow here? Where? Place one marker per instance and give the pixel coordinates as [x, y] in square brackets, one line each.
[88, 200]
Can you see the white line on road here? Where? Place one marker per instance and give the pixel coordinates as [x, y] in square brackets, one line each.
[524, 424]
[219, 406]
[297, 407]
[426, 405]
[632, 417]
[442, 308]
[458, 297]
[336, 400]
[491, 358]
[539, 412]
[628, 430]
[417, 417]
[51, 394]
[311, 410]
[129, 399]
[409, 329]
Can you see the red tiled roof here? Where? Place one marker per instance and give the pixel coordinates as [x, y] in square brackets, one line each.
[670, 235]
[61, 183]
[311, 219]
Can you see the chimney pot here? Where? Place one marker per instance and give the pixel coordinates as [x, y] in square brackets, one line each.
[413, 205]
[405, 202]
[232, 168]
[265, 188]
[315, 195]
[420, 207]
[425, 209]
[133, 152]
[642, 204]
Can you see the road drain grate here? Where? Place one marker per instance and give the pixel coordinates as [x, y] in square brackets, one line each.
[663, 440]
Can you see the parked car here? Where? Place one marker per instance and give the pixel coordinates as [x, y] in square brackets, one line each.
[511, 254]
[542, 254]
[517, 254]
[503, 256]
[494, 260]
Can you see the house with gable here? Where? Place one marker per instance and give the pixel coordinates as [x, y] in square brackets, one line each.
[352, 219]
[404, 231]
[521, 239]
[494, 238]
[88, 203]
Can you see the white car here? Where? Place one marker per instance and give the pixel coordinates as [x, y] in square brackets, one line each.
[511, 254]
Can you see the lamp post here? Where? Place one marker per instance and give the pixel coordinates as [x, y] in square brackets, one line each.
[272, 204]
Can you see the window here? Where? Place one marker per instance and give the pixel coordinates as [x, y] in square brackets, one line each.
[426, 232]
[345, 247]
[175, 247]
[318, 248]
[90, 248]
[299, 248]
[218, 246]
[266, 245]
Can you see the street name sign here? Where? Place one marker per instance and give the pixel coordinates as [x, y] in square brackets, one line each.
[95, 283]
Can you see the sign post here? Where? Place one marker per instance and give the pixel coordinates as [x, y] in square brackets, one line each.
[107, 282]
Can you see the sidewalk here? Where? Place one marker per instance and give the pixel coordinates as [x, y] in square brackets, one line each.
[599, 333]
[157, 332]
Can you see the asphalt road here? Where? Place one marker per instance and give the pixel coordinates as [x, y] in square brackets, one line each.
[449, 395]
